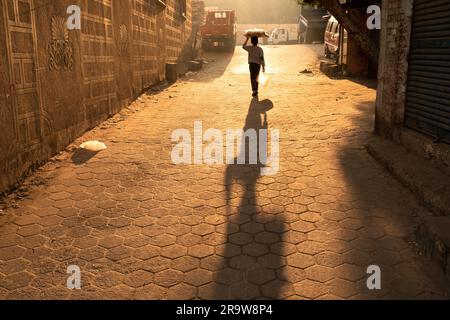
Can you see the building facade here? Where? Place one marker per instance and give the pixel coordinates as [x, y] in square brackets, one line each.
[57, 83]
[413, 97]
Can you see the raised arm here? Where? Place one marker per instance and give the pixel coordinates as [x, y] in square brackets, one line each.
[246, 42]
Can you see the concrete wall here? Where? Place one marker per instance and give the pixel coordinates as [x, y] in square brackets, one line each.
[55, 84]
[393, 67]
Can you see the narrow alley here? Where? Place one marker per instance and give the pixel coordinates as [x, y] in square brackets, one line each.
[140, 227]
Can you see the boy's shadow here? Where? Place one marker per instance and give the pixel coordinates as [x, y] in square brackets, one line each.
[252, 264]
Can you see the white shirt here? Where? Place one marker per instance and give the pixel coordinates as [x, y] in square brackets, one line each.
[255, 55]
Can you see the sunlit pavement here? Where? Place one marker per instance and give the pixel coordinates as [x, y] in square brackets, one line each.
[140, 227]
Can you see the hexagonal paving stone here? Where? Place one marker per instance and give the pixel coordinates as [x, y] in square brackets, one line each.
[203, 229]
[156, 264]
[300, 260]
[198, 277]
[320, 273]
[303, 226]
[350, 272]
[26, 220]
[146, 252]
[245, 291]
[228, 276]
[338, 246]
[185, 264]
[343, 288]
[243, 262]
[14, 266]
[267, 237]
[277, 289]
[138, 279]
[111, 242]
[118, 253]
[213, 263]
[78, 232]
[182, 291]
[93, 253]
[255, 249]
[189, 240]
[11, 253]
[174, 251]
[261, 276]
[30, 230]
[16, 280]
[150, 292]
[201, 251]
[168, 278]
[252, 227]
[145, 221]
[85, 242]
[213, 291]
[318, 236]
[240, 238]
[163, 240]
[310, 289]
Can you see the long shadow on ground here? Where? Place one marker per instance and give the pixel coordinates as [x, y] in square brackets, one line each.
[252, 264]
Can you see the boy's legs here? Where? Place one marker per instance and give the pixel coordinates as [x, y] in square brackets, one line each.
[254, 74]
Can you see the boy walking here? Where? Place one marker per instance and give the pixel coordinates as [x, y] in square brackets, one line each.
[256, 61]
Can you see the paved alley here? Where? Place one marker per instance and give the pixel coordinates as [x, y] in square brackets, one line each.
[141, 227]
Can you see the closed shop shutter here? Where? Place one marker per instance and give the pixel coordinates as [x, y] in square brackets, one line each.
[428, 93]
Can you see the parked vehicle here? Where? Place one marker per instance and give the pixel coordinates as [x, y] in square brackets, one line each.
[279, 36]
[311, 26]
[282, 36]
[332, 38]
[220, 30]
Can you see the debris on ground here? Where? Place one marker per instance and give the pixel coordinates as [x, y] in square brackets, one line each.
[158, 88]
[171, 96]
[21, 193]
[190, 73]
[341, 98]
[94, 146]
[195, 65]
[306, 71]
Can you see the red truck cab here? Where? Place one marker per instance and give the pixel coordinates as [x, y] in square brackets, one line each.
[220, 30]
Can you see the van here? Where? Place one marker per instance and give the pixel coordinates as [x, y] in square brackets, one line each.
[279, 36]
[332, 35]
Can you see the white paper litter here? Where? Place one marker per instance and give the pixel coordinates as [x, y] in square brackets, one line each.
[94, 146]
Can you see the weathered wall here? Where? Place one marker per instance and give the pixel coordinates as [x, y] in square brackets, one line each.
[55, 84]
[393, 68]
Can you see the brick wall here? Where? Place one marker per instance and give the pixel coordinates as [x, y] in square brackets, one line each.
[55, 84]
[393, 68]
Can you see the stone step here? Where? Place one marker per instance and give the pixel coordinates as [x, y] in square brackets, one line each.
[431, 186]
[433, 237]
[331, 69]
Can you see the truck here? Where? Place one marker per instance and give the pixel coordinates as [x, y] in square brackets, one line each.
[219, 30]
[312, 24]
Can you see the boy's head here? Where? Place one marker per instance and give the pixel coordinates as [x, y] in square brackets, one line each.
[255, 41]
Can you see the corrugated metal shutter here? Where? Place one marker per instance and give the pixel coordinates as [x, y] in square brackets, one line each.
[428, 93]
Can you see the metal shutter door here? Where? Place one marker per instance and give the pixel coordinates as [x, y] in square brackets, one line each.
[428, 93]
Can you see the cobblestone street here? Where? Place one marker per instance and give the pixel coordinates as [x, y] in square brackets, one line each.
[140, 227]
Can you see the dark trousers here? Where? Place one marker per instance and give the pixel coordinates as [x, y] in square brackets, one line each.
[255, 69]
